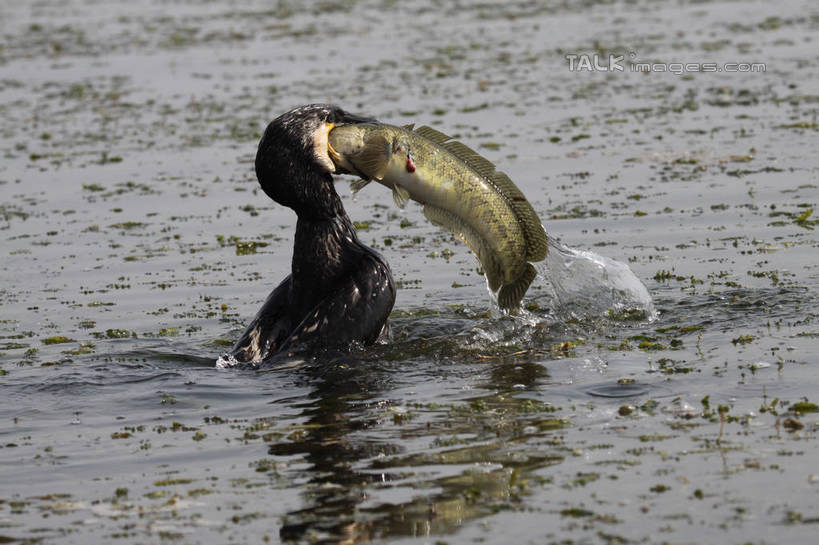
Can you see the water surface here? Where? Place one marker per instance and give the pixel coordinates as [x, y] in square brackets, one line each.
[136, 246]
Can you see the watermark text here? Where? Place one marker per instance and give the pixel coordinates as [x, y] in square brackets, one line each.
[618, 63]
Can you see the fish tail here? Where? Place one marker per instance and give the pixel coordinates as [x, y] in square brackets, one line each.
[510, 295]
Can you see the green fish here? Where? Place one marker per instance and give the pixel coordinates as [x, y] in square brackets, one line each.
[460, 190]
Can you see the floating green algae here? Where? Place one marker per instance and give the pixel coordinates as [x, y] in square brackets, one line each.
[57, 340]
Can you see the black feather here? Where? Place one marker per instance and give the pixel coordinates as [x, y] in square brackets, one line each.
[339, 290]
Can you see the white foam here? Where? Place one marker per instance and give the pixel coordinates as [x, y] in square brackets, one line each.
[226, 361]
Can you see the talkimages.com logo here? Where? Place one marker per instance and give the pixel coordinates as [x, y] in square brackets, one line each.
[618, 63]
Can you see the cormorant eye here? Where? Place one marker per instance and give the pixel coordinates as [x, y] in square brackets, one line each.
[331, 117]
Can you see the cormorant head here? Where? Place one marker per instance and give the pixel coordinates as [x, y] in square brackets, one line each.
[292, 164]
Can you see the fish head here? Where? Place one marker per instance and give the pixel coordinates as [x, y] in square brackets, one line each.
[322, 124]
[362, 149]
[346, 142]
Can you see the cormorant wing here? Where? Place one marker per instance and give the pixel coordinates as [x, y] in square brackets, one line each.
[268, 329]
[356, 311]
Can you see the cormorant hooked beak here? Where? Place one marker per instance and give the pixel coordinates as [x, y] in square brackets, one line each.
[334, 156]
[321, 146]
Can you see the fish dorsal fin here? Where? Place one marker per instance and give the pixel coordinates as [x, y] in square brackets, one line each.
[476, 162]
[358, 185]
[445, 219]
[400, 195]
[536, 243]
[431, 134]
[408, 127]
[374, 159]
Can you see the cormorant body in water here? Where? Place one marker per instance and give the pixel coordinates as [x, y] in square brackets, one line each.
[339, 290]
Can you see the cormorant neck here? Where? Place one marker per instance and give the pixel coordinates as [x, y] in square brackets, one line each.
[325, 247]
[324, 205]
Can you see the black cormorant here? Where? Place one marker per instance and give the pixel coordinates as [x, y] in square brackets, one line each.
[339, 290]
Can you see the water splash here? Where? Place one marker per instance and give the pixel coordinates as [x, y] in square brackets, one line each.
[226, 361]
[584, 284]
[580, 284]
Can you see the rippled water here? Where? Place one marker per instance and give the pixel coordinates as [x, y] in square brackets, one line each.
[136, 246]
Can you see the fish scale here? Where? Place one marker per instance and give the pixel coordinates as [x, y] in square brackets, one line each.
[461, 191]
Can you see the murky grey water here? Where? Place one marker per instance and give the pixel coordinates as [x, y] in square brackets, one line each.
[135, 246]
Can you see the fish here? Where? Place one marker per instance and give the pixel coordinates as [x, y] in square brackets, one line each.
[461, 192]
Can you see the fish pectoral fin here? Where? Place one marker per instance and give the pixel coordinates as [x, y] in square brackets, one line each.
[358, 185]
[374, 159]
[510, 295]
[400, 195]
[492, 266]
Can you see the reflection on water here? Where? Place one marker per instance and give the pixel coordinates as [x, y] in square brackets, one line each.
[361, 483]
[326, 442]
